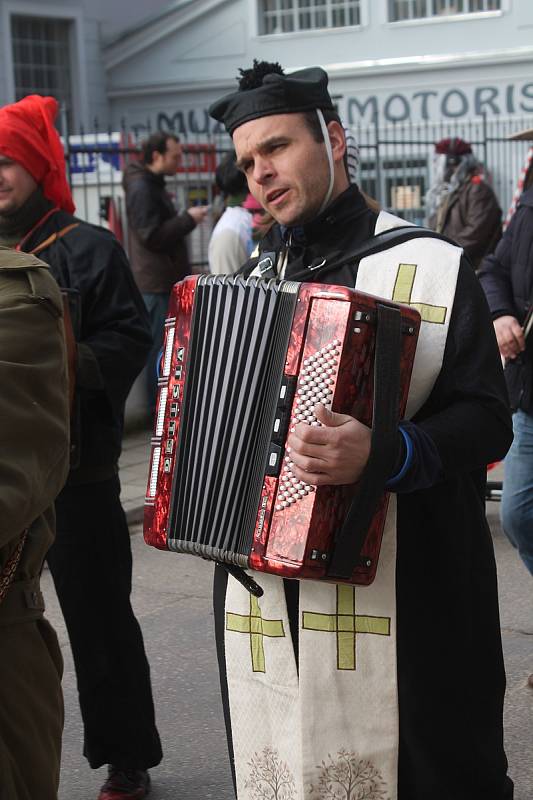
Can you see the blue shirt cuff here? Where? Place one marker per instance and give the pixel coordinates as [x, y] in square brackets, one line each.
[392, 482]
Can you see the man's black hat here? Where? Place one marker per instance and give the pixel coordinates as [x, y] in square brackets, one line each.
[304, 90]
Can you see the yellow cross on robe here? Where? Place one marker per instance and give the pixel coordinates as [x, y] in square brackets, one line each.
[346, 624]
[256, 627]
[403, 288]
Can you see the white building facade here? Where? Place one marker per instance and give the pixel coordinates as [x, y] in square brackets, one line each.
[404, 73]
[402, 60]
[56, 48]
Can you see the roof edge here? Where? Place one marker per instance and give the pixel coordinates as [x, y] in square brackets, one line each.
[133, 40]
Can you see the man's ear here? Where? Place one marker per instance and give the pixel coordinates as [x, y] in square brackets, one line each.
[337, 139]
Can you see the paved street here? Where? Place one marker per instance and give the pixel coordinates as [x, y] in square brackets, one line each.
[172, 598]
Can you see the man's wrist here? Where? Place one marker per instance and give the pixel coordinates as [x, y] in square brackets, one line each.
[403, 460]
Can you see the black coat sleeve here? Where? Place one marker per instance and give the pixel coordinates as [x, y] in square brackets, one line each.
[149, 217]
[467, 414]
[114, 339]
[495, 274]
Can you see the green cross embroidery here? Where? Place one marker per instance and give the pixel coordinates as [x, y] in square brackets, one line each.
[256, 627]
[346, 624]
[403, 288]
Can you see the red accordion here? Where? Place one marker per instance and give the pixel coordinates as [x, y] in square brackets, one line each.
[243, 361]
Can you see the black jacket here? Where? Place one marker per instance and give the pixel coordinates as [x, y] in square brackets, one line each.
[158, 251]
[507, 279]
[113, 338]
[450, 666]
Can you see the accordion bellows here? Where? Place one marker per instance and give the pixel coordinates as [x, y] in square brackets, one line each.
[244, 360]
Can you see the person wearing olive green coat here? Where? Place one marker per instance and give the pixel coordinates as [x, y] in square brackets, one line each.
[34, 456]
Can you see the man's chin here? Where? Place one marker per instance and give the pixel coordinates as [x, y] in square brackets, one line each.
[289, 217]
[7, 207]
[289, 220]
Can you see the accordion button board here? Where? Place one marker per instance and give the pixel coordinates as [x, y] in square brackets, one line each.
[244, 362]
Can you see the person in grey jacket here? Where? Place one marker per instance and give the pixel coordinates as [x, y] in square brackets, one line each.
[157, 247]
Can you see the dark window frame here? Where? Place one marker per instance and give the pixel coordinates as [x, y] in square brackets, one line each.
[41, 51]
[278, 17]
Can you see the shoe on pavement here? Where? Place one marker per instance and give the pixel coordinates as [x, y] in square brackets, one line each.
[125, 784]
[530, 681]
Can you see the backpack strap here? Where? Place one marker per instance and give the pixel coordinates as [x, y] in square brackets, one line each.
[10, 567]
[53, 238]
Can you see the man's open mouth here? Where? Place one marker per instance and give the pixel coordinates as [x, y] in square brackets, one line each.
[276, 195]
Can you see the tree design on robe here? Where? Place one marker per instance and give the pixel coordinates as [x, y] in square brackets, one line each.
[270, 778]
[349, 777]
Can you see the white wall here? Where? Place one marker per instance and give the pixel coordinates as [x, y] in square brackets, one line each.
[115, 15]
[93, 20]
[419, 70]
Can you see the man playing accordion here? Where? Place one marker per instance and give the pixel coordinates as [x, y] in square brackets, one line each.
[393, 690]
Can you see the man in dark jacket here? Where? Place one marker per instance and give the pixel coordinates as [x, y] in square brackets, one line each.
[158, 251]
[417, 712]
[91, 558]
[461, 204]
[507, 278]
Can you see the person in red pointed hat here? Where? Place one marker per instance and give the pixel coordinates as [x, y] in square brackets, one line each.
[90, 560]
[29, 138]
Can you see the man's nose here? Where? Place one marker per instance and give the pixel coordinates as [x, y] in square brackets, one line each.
[263, 170]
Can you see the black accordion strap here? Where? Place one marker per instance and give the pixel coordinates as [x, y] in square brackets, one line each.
[376, 244]
[383, 448]
[244, 579]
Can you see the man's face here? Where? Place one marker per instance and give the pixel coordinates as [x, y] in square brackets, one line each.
[167, 163]
[16, 185]
[286, 169]
[452, 164]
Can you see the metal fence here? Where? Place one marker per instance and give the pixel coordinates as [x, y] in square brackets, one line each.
[396, 162]
[397, 159]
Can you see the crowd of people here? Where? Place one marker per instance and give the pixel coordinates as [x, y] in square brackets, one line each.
[415, 721]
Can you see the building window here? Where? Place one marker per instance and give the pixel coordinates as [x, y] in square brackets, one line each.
[41, 58]
[419, 9]
[287, 16]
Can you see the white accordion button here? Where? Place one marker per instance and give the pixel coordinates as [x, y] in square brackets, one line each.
[315, 386]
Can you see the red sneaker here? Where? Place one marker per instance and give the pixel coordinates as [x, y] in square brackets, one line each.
[125, 784]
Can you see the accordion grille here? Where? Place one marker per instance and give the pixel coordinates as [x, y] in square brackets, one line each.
[239, 336]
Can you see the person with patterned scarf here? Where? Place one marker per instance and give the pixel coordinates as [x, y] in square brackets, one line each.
[461, 204]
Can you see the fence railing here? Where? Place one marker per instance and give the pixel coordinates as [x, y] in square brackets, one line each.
[396, 168]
